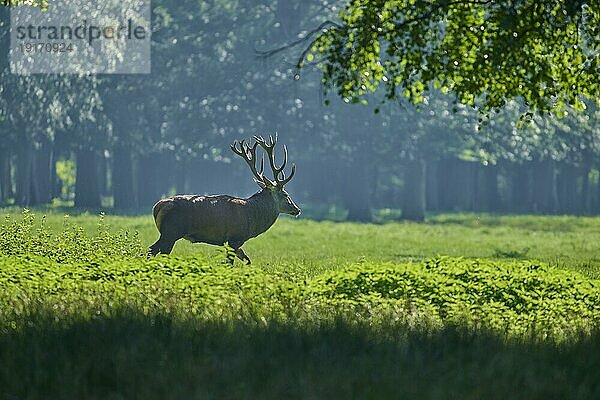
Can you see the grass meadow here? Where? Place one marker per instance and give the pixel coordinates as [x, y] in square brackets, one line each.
[461, 307]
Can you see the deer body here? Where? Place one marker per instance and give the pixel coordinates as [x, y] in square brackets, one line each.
[225, 219]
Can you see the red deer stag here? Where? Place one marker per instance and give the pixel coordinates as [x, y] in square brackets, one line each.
[221, 219]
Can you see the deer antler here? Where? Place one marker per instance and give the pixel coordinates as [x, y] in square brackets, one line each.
[269, 148]
[248, 153]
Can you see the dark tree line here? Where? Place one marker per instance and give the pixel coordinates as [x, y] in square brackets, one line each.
[128, 140]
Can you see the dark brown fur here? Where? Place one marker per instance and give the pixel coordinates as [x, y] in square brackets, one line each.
[213, 219]
[224, 219]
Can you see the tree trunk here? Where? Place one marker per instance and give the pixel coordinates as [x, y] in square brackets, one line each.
[488, 193]
[42, 174]
[471, 182]
[6, 190]
[357, 190]
[23, 173]
[87, 181]
[122, 179]
[544, 187]
[104, 168]
[567, 189]
[457, 185]
[149, 186]
[520, 188]
[433, 186]
[596, 195]
[445, 202]
[586, 193]
[414, 198]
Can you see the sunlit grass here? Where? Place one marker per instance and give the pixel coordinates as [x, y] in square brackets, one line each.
[309, 247]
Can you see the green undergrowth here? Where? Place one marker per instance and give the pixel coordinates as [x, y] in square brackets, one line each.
[513, 299]
[28, 235]
[74, 275]
[84, 314]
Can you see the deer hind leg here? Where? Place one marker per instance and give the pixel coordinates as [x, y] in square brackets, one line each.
[163, 245]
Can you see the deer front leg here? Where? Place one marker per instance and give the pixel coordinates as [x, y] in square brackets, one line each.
[236, 245]
[242, 256]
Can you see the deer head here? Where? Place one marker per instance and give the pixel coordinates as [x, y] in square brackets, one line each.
[283, 201]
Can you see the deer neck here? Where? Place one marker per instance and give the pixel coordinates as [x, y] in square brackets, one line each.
[262, 212]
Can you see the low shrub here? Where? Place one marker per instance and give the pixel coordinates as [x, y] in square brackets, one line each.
[29, 236]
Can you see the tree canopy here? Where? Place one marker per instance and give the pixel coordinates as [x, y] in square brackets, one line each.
[126, 140]
[542, 52]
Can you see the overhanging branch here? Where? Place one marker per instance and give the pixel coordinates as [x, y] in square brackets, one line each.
[306, 38]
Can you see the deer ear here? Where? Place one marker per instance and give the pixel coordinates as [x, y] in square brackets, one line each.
[260, 183]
